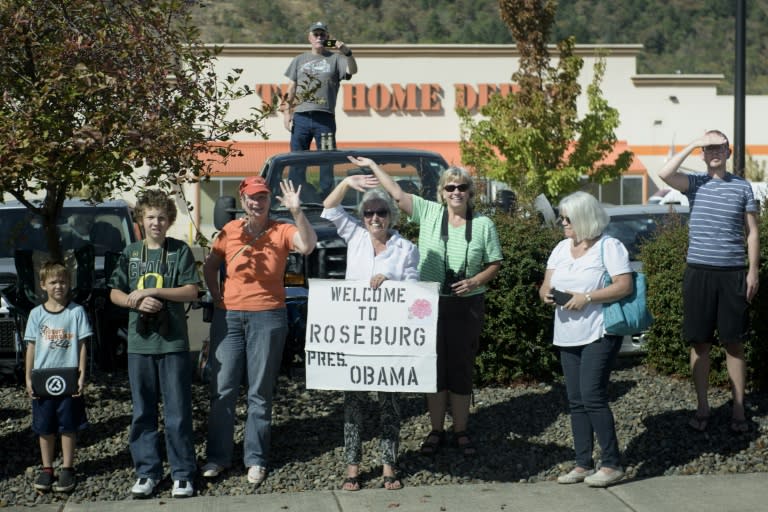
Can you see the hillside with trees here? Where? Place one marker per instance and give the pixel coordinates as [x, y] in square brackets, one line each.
[680, 36]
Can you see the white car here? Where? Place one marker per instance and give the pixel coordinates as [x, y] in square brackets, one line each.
[632, 224]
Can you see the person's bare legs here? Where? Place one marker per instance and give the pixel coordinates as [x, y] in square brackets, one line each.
[737, 372]
[437, 403]
[700, 371]
[460, 411]
[68, 443]
[47, 448]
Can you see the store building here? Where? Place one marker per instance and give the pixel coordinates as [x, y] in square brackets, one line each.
[406, 96]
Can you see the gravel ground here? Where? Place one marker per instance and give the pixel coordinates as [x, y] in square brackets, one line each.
[522, 432]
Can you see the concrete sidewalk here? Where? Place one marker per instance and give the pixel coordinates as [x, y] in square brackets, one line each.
[715, 493]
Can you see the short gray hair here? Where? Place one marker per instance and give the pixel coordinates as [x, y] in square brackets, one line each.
[588, 218]
[379, 194]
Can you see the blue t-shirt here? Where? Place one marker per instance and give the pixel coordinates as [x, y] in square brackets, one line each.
[55, 335]
[716, 227]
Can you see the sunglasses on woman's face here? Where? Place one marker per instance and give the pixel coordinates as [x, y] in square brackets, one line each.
[461, 188]
[381, 213]
[563, 219]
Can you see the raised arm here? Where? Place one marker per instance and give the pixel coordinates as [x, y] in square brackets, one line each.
[305, 239]
[670, 174]
[359, 182]
[403, 199]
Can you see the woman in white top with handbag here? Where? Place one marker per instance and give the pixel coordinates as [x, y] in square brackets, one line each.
[377, 253]
[573, 285]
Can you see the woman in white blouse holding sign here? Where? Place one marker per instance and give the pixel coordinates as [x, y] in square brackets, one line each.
[375, 252]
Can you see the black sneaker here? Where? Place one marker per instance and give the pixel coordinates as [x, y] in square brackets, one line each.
[44, 481]
[66, 480]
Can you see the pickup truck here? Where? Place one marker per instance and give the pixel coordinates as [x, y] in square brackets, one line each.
[107, 227]
[318, 172]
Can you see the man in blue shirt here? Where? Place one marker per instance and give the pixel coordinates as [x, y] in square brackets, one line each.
[717, 285]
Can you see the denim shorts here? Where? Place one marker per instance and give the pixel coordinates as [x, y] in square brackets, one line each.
[58, 415]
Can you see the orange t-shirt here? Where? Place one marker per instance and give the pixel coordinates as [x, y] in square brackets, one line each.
[254, 270]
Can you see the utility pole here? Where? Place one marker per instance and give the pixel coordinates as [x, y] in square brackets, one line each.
[739, 89]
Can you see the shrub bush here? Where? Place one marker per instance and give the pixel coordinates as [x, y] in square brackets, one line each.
[516, 343]
[663, 258]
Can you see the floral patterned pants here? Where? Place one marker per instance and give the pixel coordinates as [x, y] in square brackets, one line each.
[389, 425]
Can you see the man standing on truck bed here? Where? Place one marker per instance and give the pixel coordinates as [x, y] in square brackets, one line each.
[315, 77]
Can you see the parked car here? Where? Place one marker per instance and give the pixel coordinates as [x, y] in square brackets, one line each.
[318, 172]
[633, 224]
[106, 228]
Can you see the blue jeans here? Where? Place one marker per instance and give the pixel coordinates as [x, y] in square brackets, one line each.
[308, 126]
[587, 369]
[151, 376]
[250, 342]
[311, 125]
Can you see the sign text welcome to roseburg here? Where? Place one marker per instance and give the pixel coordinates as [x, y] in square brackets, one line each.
[361, 339]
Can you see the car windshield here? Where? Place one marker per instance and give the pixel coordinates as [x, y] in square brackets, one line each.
[634, 229]
[415, 174]
[106, 228]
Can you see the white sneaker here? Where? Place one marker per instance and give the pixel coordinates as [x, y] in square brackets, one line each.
[182, 489]
[604, 479]
[575, 477]
[212, 470]
[257, 474]
[143, 488]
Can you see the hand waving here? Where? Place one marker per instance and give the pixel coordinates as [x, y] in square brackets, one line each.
[290, 197]
[362, 182]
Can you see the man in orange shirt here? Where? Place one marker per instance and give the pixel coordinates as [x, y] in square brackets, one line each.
[250, 322]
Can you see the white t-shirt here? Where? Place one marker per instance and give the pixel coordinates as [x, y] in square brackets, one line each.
[583, 275]
[399, 261]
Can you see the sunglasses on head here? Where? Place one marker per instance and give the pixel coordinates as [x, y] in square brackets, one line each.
[564, 219]
[462, 188]
[382, 212]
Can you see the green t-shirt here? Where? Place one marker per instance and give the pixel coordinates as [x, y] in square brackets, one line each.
[178, 270]
[433, 252]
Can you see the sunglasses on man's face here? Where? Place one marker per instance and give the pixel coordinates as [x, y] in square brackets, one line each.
[381, 213]
[715, 147]
[461, 188]
[319, 34]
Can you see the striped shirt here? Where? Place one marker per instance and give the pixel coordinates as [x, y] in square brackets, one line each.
[716, 227]
[435, 255]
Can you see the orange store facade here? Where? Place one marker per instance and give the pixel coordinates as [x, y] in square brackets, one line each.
[406, 96]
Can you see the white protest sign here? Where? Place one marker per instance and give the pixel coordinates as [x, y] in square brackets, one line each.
[361, 339]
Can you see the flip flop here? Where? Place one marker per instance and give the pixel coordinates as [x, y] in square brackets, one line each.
[351, 484]
[390, 481]
[699, 423]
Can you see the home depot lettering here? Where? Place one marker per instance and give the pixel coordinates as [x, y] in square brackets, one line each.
[407, 98]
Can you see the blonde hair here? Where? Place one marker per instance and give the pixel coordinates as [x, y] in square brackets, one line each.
[588, 218]
[454, 173]
[51, 269]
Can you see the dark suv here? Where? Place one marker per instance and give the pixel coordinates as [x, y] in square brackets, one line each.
[318, 172]
[105, 228]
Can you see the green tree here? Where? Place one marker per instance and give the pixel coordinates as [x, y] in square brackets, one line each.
[533, 139]
[94, 89]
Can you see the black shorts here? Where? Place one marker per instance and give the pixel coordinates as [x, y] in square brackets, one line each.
[459, 324]
[715, 299]
[61, 415]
